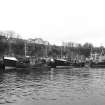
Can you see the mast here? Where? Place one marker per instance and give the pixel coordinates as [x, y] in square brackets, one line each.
[25, 50]
[61, 51]
[46, 50]
[9, 45]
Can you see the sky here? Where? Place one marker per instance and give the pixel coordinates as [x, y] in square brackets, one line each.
[56, 21]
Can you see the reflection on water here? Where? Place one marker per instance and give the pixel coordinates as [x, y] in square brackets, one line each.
[76, 86]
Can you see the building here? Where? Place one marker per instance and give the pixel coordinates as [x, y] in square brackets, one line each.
[38, 41]
[70, 44]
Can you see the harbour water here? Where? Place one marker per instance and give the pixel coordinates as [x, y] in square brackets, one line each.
[74, 86]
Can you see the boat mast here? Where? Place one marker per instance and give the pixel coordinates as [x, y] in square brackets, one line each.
[25, 50]
[46, 50]
[102, 50]
[10, 49]
[61, 51]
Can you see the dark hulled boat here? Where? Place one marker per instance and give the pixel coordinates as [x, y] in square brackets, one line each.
[58, 63]
[9, 62]
[97, 60]
[97, 64]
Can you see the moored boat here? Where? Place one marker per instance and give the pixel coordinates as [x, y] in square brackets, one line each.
[97, 64]
[9, 62]
[59, 63]
[97, 60]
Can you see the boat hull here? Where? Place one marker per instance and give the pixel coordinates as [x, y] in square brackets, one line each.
[9, 67]
[97, 65]
[79, 64]
[63, 67]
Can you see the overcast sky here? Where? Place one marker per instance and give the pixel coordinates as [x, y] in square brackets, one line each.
[78, 21]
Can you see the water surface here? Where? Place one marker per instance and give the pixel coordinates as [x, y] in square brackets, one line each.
[76, 86]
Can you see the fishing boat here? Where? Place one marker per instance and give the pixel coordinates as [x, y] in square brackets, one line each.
[9, 62]
[59, 63]
[97, 64]
[97, 60]
[23, 62]
[62, 62]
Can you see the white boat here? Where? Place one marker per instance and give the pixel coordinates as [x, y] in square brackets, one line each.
[9, 62]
